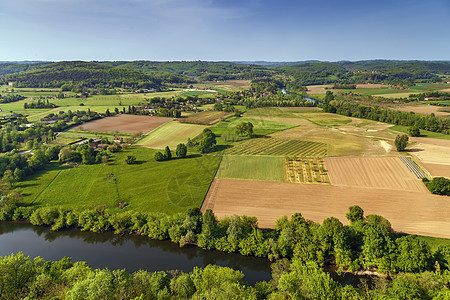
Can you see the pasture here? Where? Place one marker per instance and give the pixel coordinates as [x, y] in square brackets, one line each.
[278, 147]
[372, 172]
[408, 211]
[206, 117]
[171, 134]
[123, 123]
[170, 186]
[251, 168]
[304, 170]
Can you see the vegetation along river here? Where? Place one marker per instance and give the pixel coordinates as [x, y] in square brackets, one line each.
[129, 252]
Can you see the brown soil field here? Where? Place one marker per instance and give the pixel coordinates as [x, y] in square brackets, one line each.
[410, 212]
[372, 172]
[434, 151]
[437, 170]
[206, 117]
[124, 123]
[317, 89]
[424, 109]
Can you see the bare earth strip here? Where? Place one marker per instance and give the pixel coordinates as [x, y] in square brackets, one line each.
[411, 212]
[372, 172]
[124, 123]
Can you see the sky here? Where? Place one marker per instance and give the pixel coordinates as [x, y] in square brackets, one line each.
[220, 30]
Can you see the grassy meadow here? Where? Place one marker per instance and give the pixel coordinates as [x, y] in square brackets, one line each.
[251, 168]
[170, 186]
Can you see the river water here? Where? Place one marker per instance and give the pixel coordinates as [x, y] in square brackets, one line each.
[129, 252]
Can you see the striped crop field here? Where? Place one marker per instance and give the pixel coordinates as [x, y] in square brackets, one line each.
[278, 147]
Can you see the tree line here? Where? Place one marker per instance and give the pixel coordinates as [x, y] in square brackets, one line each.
[376, 113]
[299, 248]
[368, 243]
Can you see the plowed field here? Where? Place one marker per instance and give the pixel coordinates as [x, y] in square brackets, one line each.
[412, 212]
[372, 172]
[124, 123]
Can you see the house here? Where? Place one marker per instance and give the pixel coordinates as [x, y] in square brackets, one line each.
[50, 120]
[118, 139]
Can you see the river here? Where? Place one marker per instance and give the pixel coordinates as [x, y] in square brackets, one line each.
[129, 252]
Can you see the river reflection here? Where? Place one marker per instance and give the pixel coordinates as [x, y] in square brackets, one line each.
[107, 250]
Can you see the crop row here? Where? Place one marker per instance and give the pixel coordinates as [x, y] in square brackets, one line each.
[305, 170]
[279, 147]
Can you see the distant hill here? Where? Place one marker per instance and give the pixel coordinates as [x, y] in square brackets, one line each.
[16, 67]
[202, 70]
[436, 67]
[87, 74]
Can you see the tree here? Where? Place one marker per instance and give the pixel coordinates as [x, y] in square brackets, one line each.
[88, 156]
[414, 131]
[207, 142]
[439, 185]
[355, 214]
[130, 159]
[181, 150]
[9, 178]
[401, 141]
[244, 128]
[167, 153]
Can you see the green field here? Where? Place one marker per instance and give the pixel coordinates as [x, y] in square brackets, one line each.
[169, 187]
[423, 133]
[278, 147]
[171, 134]
[251, 168]
[97, 103]
[260, 127]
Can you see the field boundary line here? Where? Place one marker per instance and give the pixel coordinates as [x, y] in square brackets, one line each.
[211, 187]
[46, 187]
[146, 134]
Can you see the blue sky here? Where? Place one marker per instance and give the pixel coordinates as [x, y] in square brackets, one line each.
[271, 30]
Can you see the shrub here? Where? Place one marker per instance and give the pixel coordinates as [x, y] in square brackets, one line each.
[159, 156]
[130, 159]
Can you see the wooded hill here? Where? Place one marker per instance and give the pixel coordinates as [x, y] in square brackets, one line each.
[148, 74]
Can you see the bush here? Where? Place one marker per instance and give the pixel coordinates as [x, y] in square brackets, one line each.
[130, 159]
[159, 156]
